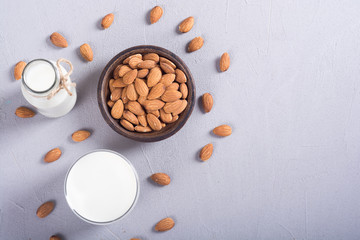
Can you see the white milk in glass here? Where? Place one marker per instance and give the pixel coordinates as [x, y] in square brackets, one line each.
[101, 187]
[40, 77]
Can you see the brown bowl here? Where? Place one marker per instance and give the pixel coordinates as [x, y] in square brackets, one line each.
[103, 93]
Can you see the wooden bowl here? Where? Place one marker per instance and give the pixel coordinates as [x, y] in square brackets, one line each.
[103, 93]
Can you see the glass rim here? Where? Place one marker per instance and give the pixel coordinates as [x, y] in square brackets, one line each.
[30, 89]
[132, 205]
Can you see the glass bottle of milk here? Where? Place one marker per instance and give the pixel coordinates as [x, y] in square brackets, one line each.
[42, 85]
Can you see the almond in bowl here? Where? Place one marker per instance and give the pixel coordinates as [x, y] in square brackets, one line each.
[146, 93]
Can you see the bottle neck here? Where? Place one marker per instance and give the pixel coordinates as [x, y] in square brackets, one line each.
[40, 77]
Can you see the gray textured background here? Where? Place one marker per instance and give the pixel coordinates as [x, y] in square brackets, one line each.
[289, 171]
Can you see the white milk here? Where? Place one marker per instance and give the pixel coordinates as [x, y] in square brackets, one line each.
[40, 77]
[101, 187]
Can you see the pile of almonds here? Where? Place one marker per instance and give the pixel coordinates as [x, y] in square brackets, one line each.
[147, 92]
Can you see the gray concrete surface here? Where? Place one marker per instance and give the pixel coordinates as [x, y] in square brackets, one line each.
[289, 171]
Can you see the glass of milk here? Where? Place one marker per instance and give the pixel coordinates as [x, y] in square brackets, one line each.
[101, 187]
[40, 77]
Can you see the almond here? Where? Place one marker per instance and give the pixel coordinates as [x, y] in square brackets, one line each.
[167, 79]
[134, 62]
[180, 76]
[45, 209]
[142, 99]
[166, 67]
[55, 238]
[207, 102]
[152, 56]
[222, 130]
[86, 52]
[136, 108]
[224, 62]
[174, 118]
[130, 76]
[155, 14]
[118, 109]
[165, 225]
[126, 124]
[181, 108]
[127, 60]
[131, 117]
[161, 178]
[156, 91]
[195, 44]
[18, 70]
[111, 87]
[171, 95]
[58, 40]
[206, 152]
[123, 70]
[107, 20]
[142, 120]
[156, 113]
[116, 94]
[52, 155]
[119, 83]
[80, 135]
[24, 112]
[143, 73]
[141, 87]
[147, 64]
[173, 86]
[186, 25]
[184, 90]
[142, 129]
[153, 105]
[116, 71]
[124, 97]
[154, 77]
[110, 103]
[165, 117]
[167, 61]
[153, 122]
[131, 92]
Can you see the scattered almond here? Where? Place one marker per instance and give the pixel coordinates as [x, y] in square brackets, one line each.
[55, 238]
[107, 20]
[165, 225]
[186, 25]
[86, 52]
[195, 44]
[206, 152]
[45, 209]
[155, 14]
[24, 112]
[222, 130]
[224, 62]
[207, 102]
[52, 155]
[80, 135]
[161, 178]
[18, 70]
[58, 40]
